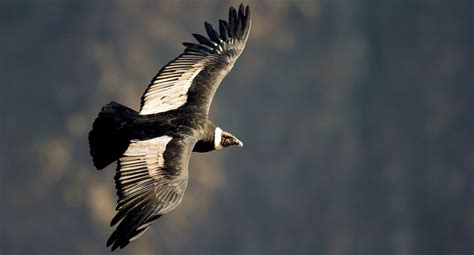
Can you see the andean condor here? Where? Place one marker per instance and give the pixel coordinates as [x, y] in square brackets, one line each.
[153, 146]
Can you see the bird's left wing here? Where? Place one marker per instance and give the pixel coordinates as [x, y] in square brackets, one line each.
[193, 77]
[151, 178]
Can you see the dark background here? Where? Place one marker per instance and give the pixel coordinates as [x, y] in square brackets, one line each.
[357, 119]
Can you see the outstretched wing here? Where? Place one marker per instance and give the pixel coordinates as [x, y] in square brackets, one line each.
[193, 77]
[150, 180]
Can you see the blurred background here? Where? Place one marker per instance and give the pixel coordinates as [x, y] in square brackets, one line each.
[357, 119]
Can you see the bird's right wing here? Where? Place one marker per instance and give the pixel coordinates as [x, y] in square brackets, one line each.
[151, 178]
[193, 77]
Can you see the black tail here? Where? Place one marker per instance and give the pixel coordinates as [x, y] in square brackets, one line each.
[109, 137]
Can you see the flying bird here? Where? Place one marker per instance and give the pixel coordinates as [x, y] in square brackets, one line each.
[153, 146]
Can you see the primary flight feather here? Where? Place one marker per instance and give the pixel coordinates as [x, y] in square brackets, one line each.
[152, 147]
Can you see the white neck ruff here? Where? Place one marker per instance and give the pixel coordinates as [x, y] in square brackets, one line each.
[217, 138]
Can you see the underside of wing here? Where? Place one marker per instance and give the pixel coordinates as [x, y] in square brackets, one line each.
[199, 70]
[147, 186]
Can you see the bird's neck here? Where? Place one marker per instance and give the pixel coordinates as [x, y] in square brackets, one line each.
[206, 143]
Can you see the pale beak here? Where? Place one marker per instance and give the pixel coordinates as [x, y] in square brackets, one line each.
[241, 144]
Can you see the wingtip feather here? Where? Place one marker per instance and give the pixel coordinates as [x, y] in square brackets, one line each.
[237, 27]
[232, 21]
[211, 32]
[224, 29]
[241, 8]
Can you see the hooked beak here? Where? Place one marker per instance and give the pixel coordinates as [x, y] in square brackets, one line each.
[237, 142]
[229, 139]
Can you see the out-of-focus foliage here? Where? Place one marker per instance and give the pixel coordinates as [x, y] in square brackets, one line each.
[357, 119]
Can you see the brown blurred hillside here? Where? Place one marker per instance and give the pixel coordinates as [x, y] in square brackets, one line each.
[357, 119]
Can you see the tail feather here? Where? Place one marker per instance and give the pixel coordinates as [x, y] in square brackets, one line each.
[109, 137]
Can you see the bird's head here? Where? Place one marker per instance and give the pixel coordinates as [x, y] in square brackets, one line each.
[224, 139]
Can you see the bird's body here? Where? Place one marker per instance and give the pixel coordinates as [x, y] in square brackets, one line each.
[152, 147]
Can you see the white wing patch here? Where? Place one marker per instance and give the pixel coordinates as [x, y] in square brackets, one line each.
[141, 155]
[140, 173]
[169, 89]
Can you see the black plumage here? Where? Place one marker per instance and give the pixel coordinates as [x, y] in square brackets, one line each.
[152, 147]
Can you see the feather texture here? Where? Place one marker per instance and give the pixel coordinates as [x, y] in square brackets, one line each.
[200, 69]
[145, 187]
